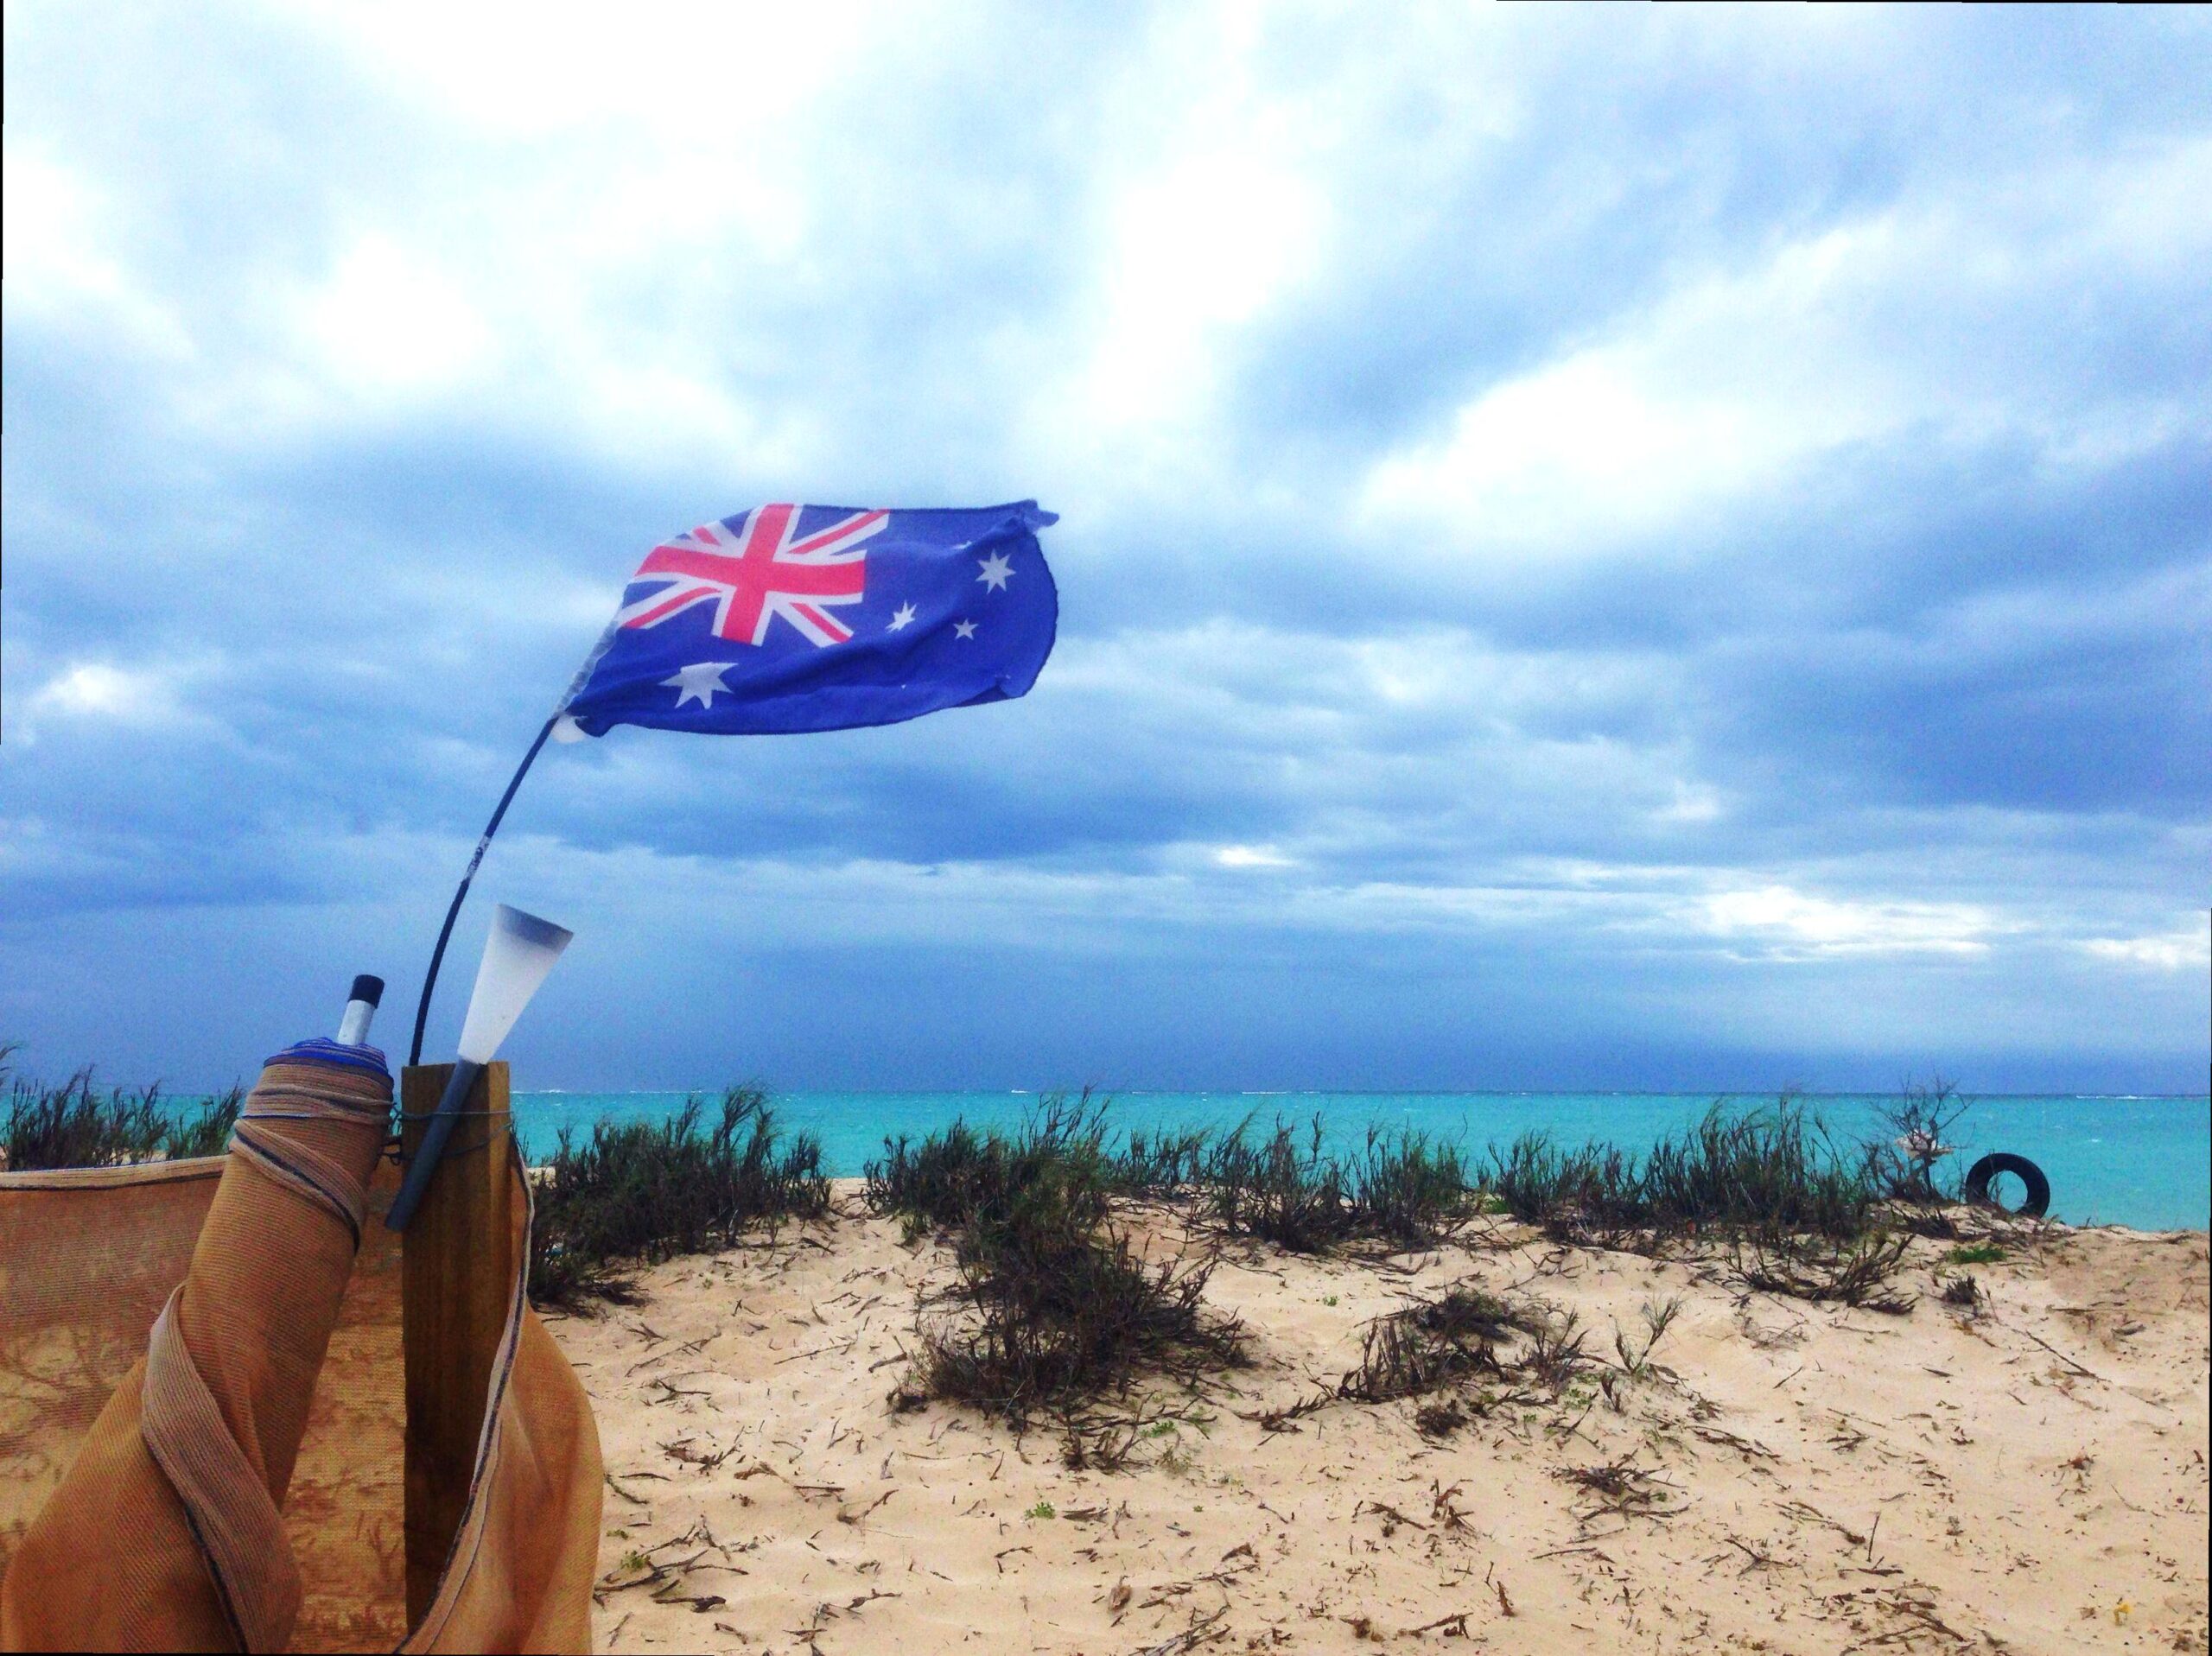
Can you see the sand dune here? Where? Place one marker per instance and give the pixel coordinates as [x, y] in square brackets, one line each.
[1785, 1477]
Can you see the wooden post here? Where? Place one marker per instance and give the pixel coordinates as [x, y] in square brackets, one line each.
[457, 1274]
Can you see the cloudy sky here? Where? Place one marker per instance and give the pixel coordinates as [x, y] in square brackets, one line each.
[1597, 548]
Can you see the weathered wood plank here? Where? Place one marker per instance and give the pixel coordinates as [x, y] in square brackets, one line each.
[458, 1272]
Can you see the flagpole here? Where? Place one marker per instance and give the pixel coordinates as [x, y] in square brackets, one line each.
[461, 895]
[445, 932]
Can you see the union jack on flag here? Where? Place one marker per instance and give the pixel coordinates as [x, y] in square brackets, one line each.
[756, 567]
[886, 614]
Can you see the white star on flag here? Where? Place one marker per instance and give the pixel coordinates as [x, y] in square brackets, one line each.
[996, 571]
[699, 682]
[964, 629]
[903, 618]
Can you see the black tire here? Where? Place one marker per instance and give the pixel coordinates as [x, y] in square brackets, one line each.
[2004, 1161]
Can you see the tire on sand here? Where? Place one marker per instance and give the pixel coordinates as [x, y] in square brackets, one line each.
[1979, 1176]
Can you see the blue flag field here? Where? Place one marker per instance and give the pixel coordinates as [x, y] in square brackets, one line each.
[797, 618]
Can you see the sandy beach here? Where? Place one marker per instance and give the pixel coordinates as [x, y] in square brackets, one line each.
[2029, 1474]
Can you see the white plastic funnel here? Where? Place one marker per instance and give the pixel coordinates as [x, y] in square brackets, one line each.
[517, 954]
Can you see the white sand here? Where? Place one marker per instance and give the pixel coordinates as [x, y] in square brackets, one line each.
[2032, 1478]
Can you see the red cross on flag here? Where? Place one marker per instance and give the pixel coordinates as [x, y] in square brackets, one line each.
[753, 570]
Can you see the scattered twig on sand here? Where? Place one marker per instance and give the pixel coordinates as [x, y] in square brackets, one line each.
[656, 1574]
[1390, 1515]
[844, 1517]
[1623, 1490]
[1221, 1578]
[1916, 1613]
[1450, 1517]
[834, 1347]
[1283, 1420]
[2076, 1368]
[1757, 1559]
[1801, 1512]
[1199, 1632]
[1744, 1446]
[1453, 1626]
[681, 1449]
[1855, 1273]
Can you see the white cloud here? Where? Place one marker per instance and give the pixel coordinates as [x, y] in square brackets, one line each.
[708, 76]
[1222, 216]
[59, 263]
[581, 235]
[98, 690]
[87, 702]
[2176, 951]
[390, 319]
[1251, 856]
[1781, 918]
[1693, 804]
[1935, 319]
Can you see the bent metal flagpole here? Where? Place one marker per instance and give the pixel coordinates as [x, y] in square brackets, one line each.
[460, 894]
[551, 727]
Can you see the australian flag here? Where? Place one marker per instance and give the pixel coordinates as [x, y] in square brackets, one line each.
[789, 617]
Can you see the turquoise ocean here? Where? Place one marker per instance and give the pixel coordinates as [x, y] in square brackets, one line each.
[2127, 1159]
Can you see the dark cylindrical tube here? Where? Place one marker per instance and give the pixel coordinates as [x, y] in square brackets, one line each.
[442, 1121]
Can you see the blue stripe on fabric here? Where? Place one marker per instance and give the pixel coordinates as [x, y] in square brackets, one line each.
[325, 1051]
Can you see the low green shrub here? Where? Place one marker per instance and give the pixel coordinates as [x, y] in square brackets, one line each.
[1160, 1165]
[1403, 1187]
[640, 1192]
[206, 1132]
[1852, 1271]
[1772, 1172]
[1767, 1172]
[1457, 1334]
[1277, 1188]
[950, 1177]
[1410, 1188]
[1540, 1181]
[1054, 1309]
[1801, 1215]
[1962, 1291]
[74, 1124]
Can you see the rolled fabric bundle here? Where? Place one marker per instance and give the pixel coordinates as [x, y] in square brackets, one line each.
[165, 1534]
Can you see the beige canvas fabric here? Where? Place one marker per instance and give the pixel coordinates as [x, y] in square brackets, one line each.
[202, 1414]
